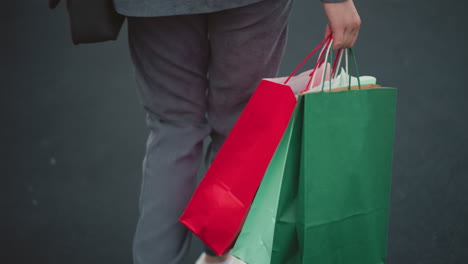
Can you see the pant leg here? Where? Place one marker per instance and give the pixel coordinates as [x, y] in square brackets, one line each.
[170, 55]
[247, 44]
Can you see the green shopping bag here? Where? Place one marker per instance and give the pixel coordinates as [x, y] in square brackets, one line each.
[345, 176]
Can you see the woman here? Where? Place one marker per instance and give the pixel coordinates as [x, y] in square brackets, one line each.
[197, 63]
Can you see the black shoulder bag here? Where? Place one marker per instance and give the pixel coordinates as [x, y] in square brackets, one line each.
[92, 21]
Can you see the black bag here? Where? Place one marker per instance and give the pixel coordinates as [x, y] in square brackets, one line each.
[92, 21]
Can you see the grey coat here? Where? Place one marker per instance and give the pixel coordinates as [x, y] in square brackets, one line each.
[153, 8]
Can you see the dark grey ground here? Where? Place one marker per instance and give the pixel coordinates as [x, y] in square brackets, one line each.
[72, 131]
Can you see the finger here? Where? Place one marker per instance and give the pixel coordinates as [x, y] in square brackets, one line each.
[346, 38]
[338, 39]
[355, 32]
[354, 35]
[351, 36]
[328, 31]
[354, 38]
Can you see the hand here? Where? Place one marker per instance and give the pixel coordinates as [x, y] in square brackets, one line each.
[343, 23]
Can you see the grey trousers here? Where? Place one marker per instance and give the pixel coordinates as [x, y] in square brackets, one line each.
[195, 74]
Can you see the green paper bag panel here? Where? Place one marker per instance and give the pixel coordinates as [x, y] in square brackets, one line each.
[285, 237]
[345, 176]
[338, 216]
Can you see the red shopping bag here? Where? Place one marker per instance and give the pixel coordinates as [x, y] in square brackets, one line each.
[221, 202]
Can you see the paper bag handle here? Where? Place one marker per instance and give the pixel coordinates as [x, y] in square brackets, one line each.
[333, 72]
[326, 40]
[319, 62]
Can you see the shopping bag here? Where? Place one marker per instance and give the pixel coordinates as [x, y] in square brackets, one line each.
[255, 242]
[345, 175]
[220, 204]
[276, 229]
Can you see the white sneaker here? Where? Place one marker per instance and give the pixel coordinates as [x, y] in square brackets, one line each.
[230, 260]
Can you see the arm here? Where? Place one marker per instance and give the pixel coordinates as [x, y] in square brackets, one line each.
[343, 22]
